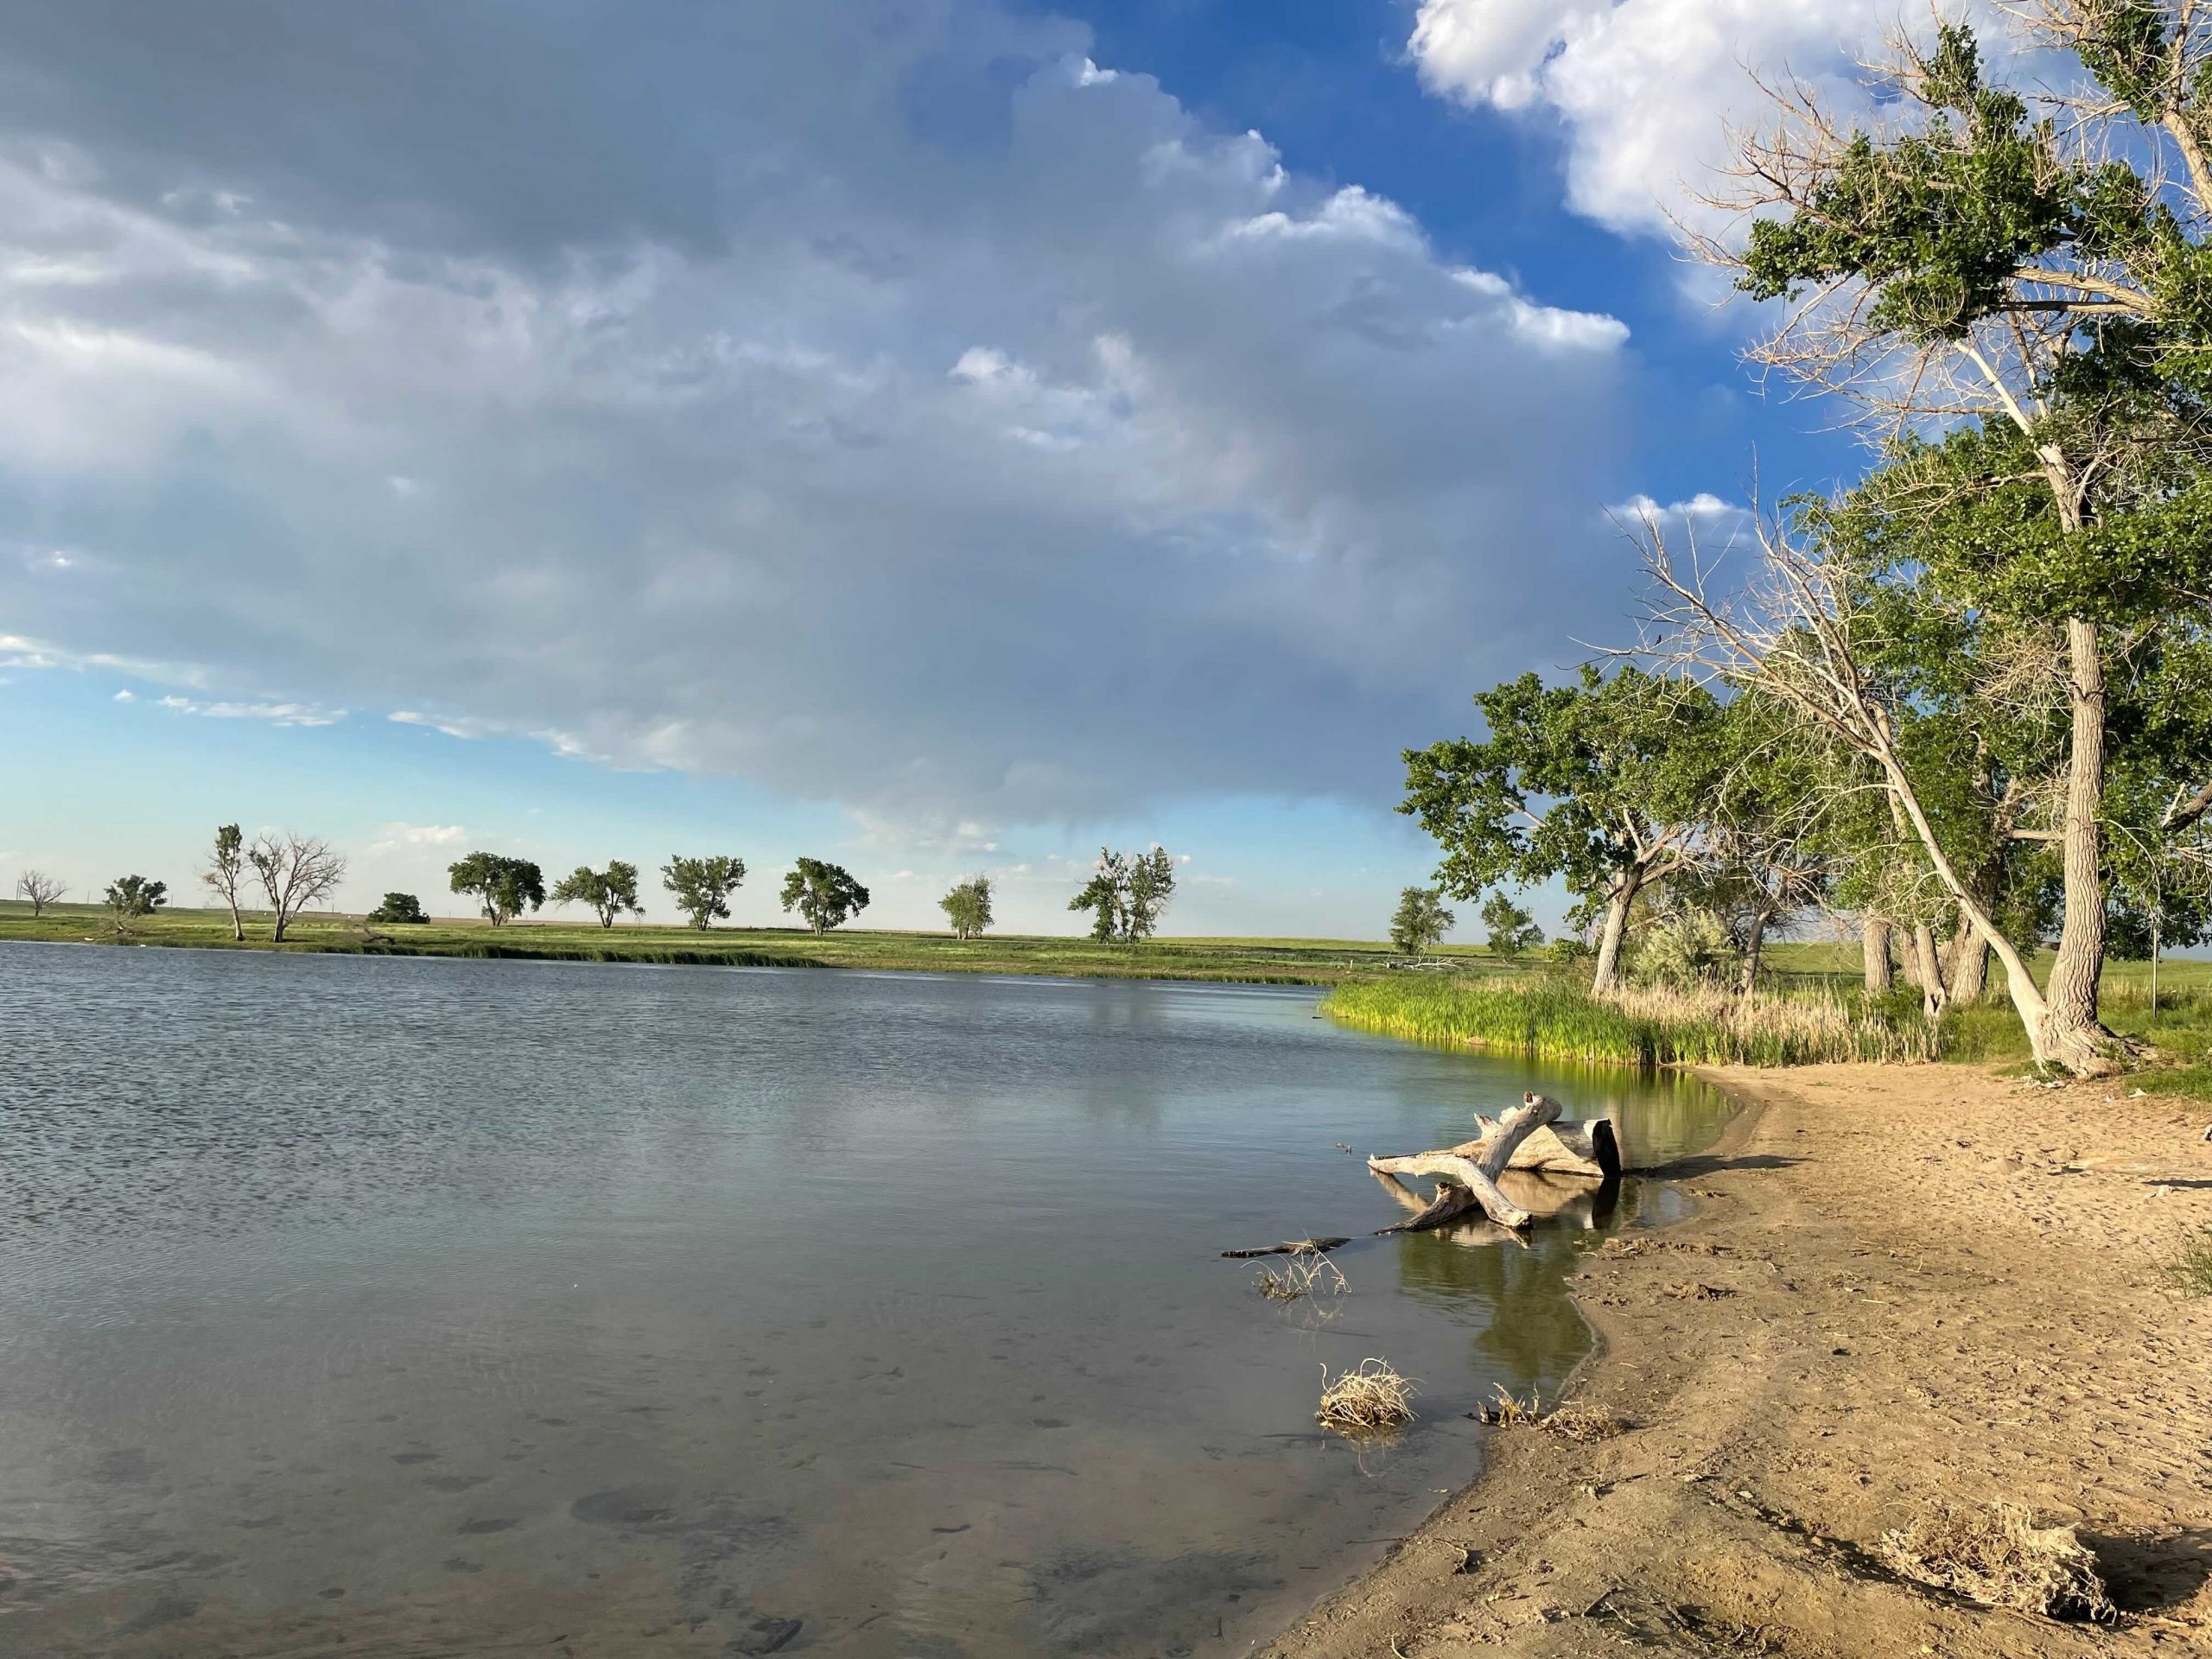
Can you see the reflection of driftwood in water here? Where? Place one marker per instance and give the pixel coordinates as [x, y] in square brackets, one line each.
[1577, 1201]
[1295, 1246]
[1530, 1137]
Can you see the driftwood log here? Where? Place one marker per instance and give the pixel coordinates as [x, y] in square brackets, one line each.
[1467, 1174]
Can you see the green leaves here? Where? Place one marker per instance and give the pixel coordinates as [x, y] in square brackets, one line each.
[609, 892]
[1573, 781]
[701, 886]
[825, 893]
[505, 886]
[1126, 893]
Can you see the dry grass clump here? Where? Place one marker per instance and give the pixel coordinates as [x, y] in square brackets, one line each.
[1508, 1410]
[2000, 1558]
[1584, 1425]
[1369, 1399]
[1304, 1274]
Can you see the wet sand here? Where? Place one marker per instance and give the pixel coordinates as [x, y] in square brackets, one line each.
[1904, 1284]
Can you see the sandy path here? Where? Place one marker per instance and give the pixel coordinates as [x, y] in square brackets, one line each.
[1904, 1282]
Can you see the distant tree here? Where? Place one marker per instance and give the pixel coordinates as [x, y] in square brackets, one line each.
[1104, 894]
[968, 906]
[38, 889]
[825, 894]
[132, 896]
[1512, 930]
[1126, 894]
[226, 873]
[609, 892]
[1152, 884]
[701, 886]
[398, 907]
[1602, 783]
[1420, 920]
[295, 872]
[504, 886]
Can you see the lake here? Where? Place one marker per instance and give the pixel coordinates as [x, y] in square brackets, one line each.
[418, 1308]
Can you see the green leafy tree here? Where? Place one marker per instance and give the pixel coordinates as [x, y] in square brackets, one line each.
[1601, 784]
[609, 892]
[2024, 270]
[825, 893]
[397, 907]
[226, 873]
[700, 887]
[131, 897]
[1126, 894]
[967, 906]
[1687, 947]
[504, 887]
[1512, 930]
[1420, 921]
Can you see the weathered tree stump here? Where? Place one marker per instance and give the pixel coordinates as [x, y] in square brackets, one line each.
[1467, 1173]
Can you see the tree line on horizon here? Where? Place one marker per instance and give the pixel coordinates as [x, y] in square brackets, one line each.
[1129, 892]
[1966, 701]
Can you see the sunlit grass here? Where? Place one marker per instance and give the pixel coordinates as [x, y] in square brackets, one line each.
[1307, 962]
[1546, 1016]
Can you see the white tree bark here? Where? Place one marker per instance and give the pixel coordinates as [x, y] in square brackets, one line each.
[1473, 1169]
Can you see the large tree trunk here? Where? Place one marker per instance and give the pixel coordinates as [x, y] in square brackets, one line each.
[1874, 950]
[2072, 1034]
[1966, 966]
[1750, 974]
[1928, 971]
[237, 927]
[1607, 974]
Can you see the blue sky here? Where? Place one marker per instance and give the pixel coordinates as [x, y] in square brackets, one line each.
[934, 435]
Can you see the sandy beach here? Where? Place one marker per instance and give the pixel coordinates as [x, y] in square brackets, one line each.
[1904, 1287]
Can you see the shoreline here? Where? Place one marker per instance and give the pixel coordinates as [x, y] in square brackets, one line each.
[1902, 1286]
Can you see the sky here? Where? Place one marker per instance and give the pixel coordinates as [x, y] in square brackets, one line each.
[936, 436]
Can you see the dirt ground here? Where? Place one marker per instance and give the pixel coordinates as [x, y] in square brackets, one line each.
[1904, 1284]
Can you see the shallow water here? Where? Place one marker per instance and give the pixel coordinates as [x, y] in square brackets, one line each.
[417, 1307]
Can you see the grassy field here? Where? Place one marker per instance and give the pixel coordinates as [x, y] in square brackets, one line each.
[1294, 962]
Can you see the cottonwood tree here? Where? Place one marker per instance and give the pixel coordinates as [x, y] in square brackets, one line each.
[967, 906]
[1807, 632]
[701, 886]
[226, 873]
[2024, 270]
[398, 907]
[609, 892]
[38, 890]
[825, 894]
[130, 897]
[1420, 921]
[1126, 894]
[1511, 929]
[1602, 783]
[295, 872]
[504, 887]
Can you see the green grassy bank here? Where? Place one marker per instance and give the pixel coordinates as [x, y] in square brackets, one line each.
[1816, 1013]
[1289, 962]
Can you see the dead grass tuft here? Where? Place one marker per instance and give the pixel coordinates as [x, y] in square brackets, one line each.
[1584, 1425]
[1999, 1557]
[1305, 1274]
[1370, 1398]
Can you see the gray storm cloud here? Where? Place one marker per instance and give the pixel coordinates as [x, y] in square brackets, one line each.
[881, 403]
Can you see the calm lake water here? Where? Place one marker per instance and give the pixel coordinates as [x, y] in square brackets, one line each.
[414, 1307]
